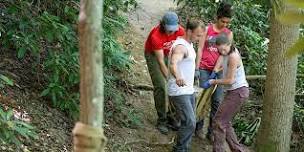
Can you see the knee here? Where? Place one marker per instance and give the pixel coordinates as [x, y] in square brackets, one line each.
[192, 123]
[216, 123]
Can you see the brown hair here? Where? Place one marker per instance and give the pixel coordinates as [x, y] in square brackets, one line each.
[223, 38]
[162, 27]
[192, 24]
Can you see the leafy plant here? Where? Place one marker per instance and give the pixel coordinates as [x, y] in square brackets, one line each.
[46, 32]
[11, 129]
[4, 80]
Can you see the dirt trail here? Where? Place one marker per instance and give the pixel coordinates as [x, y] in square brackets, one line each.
[148, 14]
[146, 138]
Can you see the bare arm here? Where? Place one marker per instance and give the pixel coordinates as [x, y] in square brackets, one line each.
[233, 64]
[218, 65]
[200, 49]
[230, 36]
[177, 55]
[160, 59]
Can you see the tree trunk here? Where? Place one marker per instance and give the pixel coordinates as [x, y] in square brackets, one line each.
[88, 133]
[275, 132]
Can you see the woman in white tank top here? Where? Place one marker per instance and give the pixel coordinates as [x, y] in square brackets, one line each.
[236, 86]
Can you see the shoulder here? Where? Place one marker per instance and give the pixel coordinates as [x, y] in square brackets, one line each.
[228, 31]
[155, 31]
[179, 49]
[181, 31]
[234, 57]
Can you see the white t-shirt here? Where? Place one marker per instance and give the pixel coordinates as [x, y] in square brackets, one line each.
[186, 69]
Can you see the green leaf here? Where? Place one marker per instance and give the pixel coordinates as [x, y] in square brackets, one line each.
[23, 124]
[45, 92]
[9, 114]
[21, 52]
[7, 80]
[291, 17]
[296, 48]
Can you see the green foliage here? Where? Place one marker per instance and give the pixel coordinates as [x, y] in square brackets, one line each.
[249, 26]
[245, 130]
[12, 129]
[47, 32]
[299, 117]
[4, 80]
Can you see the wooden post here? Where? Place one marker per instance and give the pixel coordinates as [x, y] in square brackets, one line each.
[88, 133]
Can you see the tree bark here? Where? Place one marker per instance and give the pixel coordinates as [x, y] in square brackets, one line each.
[88, 134]
[275, 132]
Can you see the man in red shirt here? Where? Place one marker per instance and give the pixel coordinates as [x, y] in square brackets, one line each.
[207, 57]
[157, 47]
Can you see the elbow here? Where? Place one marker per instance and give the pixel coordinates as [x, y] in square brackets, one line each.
[230, 81]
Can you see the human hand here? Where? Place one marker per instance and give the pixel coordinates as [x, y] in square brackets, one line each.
[180, 82]
[206, 84]
[213, 75]
[197, 74]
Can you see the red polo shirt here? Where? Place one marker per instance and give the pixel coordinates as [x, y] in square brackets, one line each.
[158, 40]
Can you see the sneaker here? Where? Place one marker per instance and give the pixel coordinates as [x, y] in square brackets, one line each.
[162, 129]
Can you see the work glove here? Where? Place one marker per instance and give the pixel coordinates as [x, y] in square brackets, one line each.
[213, 75]
[206, 84]
[197, 74]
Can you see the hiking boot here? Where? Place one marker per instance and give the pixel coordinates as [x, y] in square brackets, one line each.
[162, 129]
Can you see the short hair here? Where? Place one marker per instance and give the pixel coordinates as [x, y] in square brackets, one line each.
[192, 24]
[224, 10]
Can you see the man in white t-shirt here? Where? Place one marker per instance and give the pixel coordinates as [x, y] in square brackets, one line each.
[180, 83]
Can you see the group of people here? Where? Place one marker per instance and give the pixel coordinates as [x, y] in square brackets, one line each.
[174, 65]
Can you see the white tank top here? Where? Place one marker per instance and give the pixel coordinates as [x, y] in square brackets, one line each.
[186, 69]
[239, 77]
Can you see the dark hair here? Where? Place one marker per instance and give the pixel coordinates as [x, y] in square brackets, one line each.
[162, 27]
[224, 10]
[192, 24]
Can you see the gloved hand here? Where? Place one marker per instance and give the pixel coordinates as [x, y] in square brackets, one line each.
[197, 74]
[213, 75]
[206, 84]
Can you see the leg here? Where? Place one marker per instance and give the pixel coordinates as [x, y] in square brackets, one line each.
[204, 74]
[184, 108]
[160, 91]
[216, 99]
[231, 137]
[222, 121]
